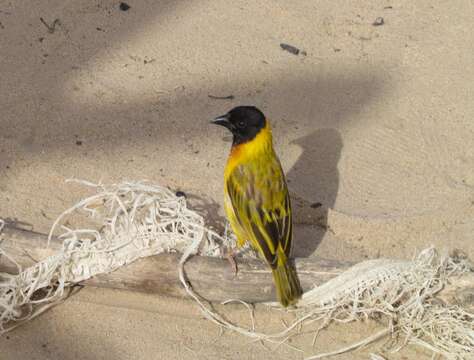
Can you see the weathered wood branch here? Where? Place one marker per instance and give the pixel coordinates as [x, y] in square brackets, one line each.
[213, 278]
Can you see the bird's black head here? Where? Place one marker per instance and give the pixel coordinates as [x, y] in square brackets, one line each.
[244, 122]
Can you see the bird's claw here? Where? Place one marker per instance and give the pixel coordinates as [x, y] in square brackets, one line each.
[230, 256]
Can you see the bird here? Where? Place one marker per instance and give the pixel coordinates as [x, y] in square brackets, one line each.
[256, 197]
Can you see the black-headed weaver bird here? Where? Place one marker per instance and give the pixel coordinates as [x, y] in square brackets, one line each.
[256, 200]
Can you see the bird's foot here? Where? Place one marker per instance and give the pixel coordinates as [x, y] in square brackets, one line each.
[230, 256]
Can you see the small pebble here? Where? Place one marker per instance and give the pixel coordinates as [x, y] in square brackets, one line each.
[78, 142]
[378, 22]
[315, 205]
[180, 194]
[290, 48]
[124, 6]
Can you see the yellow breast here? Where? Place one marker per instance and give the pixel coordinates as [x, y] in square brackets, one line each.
[243, 153]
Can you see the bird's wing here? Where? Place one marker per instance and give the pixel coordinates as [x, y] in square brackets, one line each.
[261, 204]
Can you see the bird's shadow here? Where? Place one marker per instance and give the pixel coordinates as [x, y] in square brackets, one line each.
[313, 183]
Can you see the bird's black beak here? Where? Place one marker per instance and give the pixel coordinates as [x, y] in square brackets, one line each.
[223, 121]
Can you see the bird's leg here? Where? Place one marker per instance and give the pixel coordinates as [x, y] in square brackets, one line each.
[230, 255]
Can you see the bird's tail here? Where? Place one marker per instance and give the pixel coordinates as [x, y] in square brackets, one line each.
[286, 280]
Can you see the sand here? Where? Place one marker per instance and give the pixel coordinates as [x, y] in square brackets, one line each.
[375, 123]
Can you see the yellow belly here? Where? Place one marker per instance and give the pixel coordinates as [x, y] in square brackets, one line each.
[234, 223]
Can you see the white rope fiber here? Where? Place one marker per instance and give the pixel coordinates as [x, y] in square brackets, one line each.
[138, 219]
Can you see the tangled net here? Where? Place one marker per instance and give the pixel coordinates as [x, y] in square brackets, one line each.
[138, 219]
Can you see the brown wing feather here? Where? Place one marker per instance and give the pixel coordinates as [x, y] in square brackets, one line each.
[261, 205]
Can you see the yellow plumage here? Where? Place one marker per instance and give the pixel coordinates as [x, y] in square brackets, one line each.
[258, 207]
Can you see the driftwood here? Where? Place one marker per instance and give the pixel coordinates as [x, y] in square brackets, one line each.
[212, 278]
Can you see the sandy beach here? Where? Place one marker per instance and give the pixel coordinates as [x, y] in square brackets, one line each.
[372, 121]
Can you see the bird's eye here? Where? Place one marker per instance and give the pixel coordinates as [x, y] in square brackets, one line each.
[241, 124]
